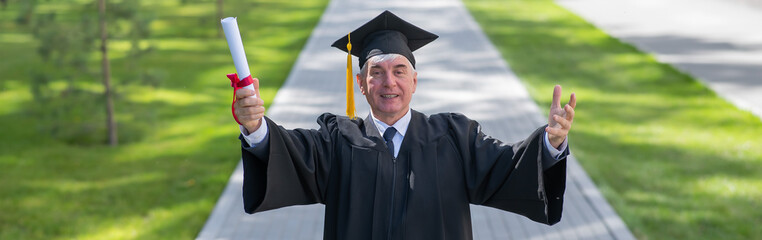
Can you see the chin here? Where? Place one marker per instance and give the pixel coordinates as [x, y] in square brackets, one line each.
[393, 110]
[390, 107]
[387, 110]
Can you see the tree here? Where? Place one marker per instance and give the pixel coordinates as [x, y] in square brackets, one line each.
[65, 46]
[27, 10]
[68, 43]
[106, 74]
[135, 27]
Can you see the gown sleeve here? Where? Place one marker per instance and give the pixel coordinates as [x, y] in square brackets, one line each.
[511, 177]
[290, 167]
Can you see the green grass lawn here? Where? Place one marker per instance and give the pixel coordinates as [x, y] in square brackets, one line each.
[179, 141]
[675, 160]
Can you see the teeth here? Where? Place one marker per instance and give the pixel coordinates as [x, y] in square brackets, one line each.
[388, 96]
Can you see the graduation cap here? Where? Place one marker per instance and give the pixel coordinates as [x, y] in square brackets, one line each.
[384, 34]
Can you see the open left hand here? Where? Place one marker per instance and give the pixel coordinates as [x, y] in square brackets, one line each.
[560, 119]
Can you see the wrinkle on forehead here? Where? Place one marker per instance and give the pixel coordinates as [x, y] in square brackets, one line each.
[388, 57]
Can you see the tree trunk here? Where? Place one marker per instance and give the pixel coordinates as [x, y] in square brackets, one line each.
[110, 123]
[28, 10]
[219, 17]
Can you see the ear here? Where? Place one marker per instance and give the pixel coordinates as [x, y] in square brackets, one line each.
[360, 83]
[415, 81]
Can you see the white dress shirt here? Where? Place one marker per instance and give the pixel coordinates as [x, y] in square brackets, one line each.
[401, 126]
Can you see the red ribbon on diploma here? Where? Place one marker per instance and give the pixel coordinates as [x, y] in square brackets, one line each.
[238, 84]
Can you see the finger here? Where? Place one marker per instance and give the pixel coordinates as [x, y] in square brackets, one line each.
[558, 132]
[257, 116]
[247, 102]
[573, 100]
[260, 102]
[250, 121]
[256, 87]
[243, 93]
[257, 110]
[565, 124]
[253, 102]
[556, 96]
[569, 112]
[242, 103]
[249, 113]
[241, 110]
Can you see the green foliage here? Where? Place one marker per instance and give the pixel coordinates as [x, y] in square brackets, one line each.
[64, 48]
[178, 142]
[675, 160]
[68, 44]
[132, 23]
[25, 11]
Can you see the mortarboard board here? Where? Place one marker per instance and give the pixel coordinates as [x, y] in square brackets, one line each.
[386, 33]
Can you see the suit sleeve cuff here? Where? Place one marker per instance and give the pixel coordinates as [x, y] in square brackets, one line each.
[255, 138]
[557, 153]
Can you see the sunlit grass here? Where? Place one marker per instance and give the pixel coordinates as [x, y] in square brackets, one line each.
[178, 141]
[16, 38]
[675, 160]
[147, 95]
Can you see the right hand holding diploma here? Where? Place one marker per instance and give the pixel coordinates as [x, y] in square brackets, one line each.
[249, 110]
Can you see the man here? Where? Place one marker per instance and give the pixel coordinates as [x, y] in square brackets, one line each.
[399, 174]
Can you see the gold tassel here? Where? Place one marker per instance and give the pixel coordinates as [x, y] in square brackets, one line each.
[350, 85]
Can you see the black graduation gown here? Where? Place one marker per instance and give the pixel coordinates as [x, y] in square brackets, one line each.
[445, 162]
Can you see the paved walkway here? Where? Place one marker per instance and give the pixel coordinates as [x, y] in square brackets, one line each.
[459, 72]
[716, 41]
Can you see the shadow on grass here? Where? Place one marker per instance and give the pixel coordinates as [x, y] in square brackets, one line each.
[72, 190]
[179, 142]
[657, 185]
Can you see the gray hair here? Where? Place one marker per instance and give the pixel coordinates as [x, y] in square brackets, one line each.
[382, 58]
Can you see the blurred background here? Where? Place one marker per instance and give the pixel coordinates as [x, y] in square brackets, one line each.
[60, 176]
[672, 157]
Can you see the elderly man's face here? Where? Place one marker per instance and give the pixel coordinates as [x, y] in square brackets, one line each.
[389, 86]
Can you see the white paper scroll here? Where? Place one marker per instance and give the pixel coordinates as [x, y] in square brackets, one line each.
[230, 27]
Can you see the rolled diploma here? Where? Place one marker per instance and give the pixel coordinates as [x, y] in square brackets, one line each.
[230, 27]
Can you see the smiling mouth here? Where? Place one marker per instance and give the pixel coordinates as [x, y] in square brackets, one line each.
[389, 95]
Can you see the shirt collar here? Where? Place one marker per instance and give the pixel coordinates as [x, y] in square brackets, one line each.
[401, 125]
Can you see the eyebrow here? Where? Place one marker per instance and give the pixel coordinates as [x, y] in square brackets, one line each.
[395, 66]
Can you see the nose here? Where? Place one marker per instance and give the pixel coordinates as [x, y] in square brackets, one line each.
[389, 80]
